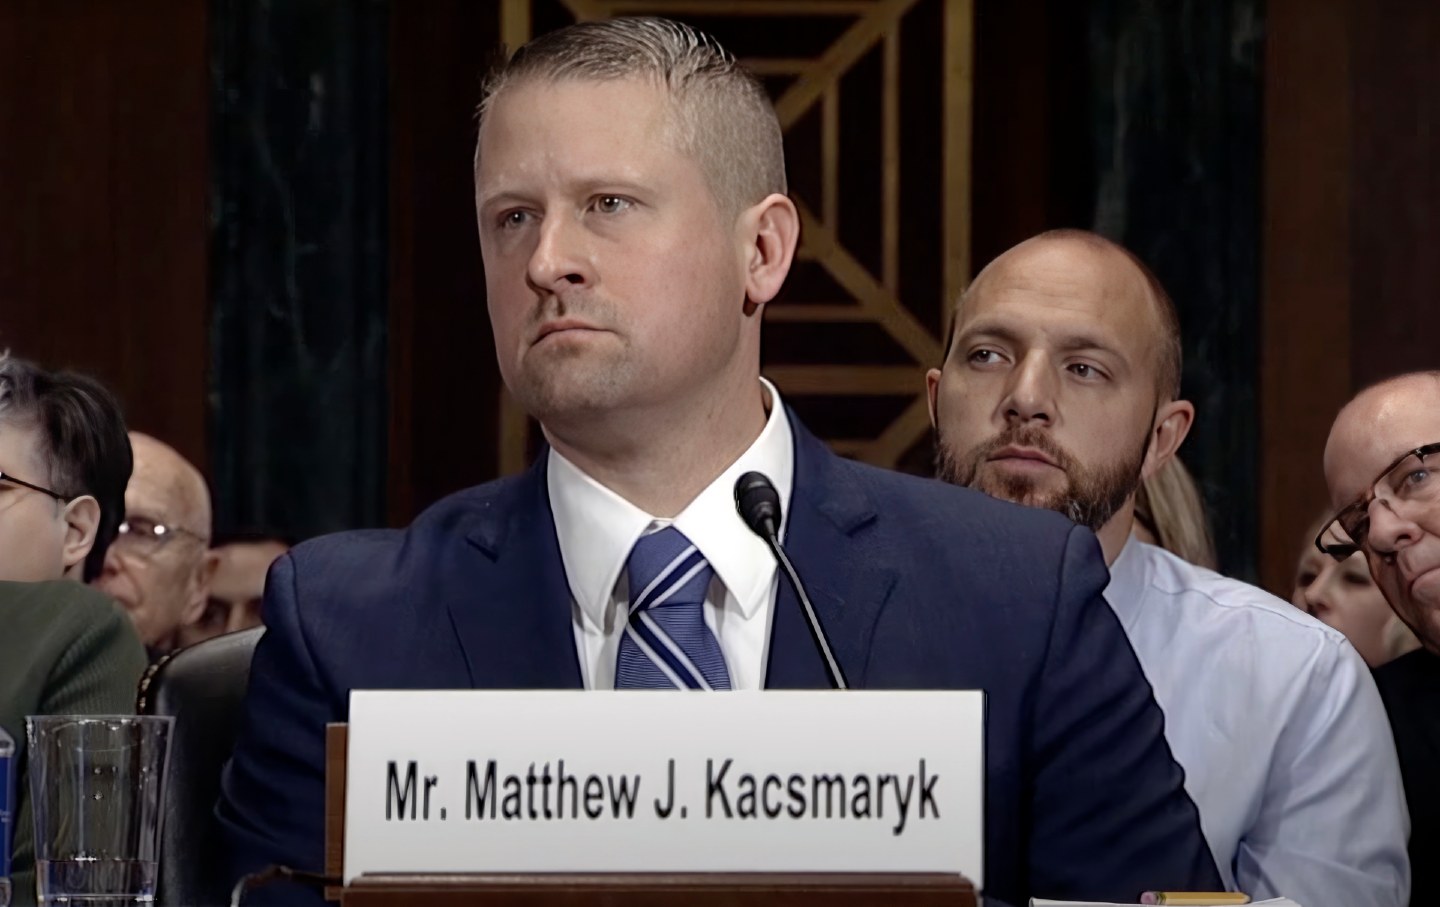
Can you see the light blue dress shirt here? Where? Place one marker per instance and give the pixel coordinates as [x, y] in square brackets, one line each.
[1277, 723]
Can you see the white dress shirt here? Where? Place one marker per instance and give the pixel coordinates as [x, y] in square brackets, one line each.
[597, 528]
[1277, 723]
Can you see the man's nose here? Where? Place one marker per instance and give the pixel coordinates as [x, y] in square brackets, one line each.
[1390, 530]
[1031, 397]
[560, 258]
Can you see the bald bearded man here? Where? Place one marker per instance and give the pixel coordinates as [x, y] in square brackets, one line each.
[159, 567]
[1382, 464]
[1061, 389]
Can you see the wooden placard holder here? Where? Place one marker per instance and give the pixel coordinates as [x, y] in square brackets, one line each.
[617, 889]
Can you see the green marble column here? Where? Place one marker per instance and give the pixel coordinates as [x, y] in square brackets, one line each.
[1174, 157]
[298, 263]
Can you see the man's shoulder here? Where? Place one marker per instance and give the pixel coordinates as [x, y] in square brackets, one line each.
[909, 496]
[380, 552]
[63, 626]
[358, 578]
[1411, 674]
[62, 607]
[953, 546]
[1206, 594]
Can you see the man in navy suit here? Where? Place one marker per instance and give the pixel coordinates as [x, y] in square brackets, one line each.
[633, 221]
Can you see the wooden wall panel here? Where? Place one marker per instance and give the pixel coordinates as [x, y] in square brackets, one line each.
[444, 383]
[1395, 279]
[103, 187]
[1352, 219]
[1305, 349]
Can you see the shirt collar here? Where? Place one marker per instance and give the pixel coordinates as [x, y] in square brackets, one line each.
[1128, 581]
[597, 528]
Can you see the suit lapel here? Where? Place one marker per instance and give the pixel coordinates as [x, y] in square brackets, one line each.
[513, 617]
[825, 538]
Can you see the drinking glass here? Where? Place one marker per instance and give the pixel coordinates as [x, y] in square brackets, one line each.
[97, 785]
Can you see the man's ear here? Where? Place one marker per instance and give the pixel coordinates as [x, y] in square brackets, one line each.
[200, 582]
[772, 231]
[1172, 424]
[932, 388]
[82, 522]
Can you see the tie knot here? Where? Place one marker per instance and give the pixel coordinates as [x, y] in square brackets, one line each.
[665, 568]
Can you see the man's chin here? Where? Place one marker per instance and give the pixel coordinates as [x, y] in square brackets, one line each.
[1020, 490]
[565, 395]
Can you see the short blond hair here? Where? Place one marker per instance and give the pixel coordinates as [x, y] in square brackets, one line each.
[723, 117]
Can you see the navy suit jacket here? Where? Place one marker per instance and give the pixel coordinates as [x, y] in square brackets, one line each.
[919, 585]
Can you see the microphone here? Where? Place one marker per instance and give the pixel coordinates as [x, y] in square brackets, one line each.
[758, 504]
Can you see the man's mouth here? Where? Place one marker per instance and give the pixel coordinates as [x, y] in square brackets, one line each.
[562, 326]
[1424, 572]
[1014, 455]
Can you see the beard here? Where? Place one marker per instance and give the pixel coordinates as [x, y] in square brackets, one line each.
[1090, 496]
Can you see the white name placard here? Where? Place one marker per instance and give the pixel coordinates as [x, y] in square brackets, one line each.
[575, 781]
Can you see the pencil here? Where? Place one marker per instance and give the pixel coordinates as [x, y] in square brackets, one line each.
[1223, 898]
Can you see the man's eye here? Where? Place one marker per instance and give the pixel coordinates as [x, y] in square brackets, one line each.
[1417, 477]
[984, 357]
[512, 219]
[611, 204]
[1084, 370]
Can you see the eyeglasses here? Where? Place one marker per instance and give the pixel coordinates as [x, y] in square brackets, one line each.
[1413, 478]
[144, 537]
[6, 477]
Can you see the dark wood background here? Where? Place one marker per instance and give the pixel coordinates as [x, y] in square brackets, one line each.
[178, 179]
[104, 183]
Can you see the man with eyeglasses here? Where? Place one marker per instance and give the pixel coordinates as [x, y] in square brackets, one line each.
[160, 567]
[1382, 465]
[64, 649]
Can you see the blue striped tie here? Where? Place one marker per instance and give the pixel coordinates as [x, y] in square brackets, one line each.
[667, 644]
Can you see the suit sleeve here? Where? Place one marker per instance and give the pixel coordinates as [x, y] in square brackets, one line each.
[272, 797]
[1112, 818]
[1333, 823]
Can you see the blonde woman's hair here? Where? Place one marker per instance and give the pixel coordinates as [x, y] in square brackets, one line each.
[1169, 505]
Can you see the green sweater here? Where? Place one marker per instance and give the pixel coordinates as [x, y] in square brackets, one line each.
[65, 649]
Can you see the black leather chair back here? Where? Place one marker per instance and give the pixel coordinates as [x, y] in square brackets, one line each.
[202, 688]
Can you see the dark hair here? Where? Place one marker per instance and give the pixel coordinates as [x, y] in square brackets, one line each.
[83, 440]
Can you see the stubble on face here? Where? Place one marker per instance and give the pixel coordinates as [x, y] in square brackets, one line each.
[566, 373]
[1090, 496]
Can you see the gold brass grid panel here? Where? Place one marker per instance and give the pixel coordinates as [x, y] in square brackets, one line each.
[873, 297]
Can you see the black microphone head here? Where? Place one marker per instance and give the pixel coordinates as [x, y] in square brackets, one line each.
[758, 504]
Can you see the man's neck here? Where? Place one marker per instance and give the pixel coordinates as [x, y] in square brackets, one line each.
[660, 463]
[1116, 532]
